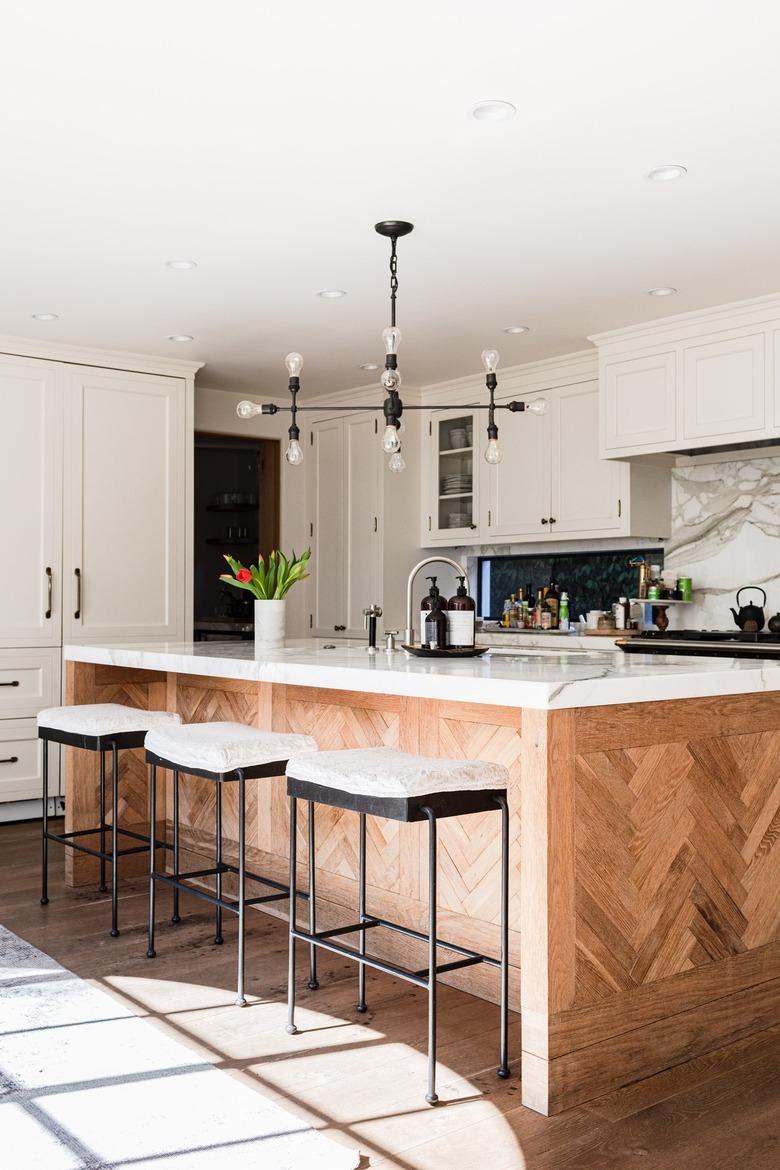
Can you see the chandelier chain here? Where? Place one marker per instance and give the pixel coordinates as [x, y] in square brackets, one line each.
[393, 279]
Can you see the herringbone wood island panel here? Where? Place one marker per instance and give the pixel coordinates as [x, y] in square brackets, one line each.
[648, 924]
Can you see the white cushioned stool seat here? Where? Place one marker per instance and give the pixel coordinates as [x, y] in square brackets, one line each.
[387, 772]
[223, 747]
[103, 719]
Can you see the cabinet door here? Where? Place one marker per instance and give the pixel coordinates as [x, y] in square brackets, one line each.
[328, 486]
[452, 507]
[124, 506]
[31, 512]
[640, 403]
[518, 488]
[363, 462]
[585, 488]
[724, 387]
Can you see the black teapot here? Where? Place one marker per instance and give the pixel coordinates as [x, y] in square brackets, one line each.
[750, 618]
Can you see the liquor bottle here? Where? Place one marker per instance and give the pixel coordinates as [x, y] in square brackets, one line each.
[553, 598]
[526, 615]
[512, 610]
[536, 622]
[546, 615]
[436, 625]
[506, 616]
[461, 610]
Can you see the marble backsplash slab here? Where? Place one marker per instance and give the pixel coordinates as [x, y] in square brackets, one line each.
[725, 534]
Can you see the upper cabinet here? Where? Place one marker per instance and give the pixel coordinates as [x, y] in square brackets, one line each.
[453, 480]
[124, 529]
[551, 483]
[700, 380]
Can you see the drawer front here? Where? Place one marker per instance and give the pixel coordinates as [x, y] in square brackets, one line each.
[20, 761]
[29, 681]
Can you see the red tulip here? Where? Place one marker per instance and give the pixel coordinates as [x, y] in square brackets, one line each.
[243, 575]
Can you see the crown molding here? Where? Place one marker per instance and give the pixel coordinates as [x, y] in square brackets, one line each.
[682, 326]
[113, 359]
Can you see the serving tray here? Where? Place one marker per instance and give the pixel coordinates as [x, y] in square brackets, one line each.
[460, 652]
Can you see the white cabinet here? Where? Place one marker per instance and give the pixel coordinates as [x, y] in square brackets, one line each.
[552, 484]
[586, 491]
[693, 382]
[345, 503]
[453, 477]
[93, 475]
[517, 490]
[724, 388]
[640, 402]
[124, 506]
[31, 512]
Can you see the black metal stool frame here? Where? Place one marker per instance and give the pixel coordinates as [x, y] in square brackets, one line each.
[432, 808]
[182, 881]
[94, 743]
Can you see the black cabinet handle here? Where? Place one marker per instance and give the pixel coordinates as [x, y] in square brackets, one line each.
[545, 520]
[15, 683]
[553, 520]
[9, 760]
[47, 615]
[77, 614]
[339, 627]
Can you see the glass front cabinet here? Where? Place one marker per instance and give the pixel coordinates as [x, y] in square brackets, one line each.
[453, 470]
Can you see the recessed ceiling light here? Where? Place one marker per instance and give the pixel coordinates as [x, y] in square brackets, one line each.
[516, 329]
[331, 294]
[181, 265]
[665, 290]
[494, 111]
[46, 317]
[180, 337]
[369, 366]
[667, 173]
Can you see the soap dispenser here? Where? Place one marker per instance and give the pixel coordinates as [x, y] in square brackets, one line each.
[426, 605]
[461, 610]
[435, 629]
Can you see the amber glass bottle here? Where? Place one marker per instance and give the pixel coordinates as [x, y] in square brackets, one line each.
[461, 610]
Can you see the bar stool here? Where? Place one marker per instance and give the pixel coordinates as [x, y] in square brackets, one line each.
[382, 782]
[221, 752]
[96, 727]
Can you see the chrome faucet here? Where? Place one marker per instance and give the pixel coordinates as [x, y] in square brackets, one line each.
[409, 639]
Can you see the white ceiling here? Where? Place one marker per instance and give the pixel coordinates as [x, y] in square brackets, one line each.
[264, 140]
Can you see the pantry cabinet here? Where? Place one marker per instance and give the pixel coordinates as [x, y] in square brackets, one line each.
[94, 469]
[692, 382]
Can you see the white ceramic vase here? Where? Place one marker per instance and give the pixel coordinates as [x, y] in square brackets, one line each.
[269, 624]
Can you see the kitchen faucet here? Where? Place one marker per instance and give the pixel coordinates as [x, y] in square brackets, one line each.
[461, 572]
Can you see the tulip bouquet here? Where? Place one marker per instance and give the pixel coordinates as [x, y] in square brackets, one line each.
[271, 580]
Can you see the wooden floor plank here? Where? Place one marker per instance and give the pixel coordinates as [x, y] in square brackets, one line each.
[360, 1079]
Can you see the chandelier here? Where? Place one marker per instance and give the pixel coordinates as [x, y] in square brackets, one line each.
[392, 407]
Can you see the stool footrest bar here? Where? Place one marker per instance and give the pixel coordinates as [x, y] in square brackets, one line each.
[347, 929]
[455, 965]
[368, 960]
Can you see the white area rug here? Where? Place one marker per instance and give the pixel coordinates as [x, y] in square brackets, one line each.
[86, 1085]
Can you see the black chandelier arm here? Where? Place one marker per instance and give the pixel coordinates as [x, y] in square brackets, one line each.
[275, 408]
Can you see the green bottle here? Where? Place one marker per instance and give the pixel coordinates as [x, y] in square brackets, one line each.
[563, 612]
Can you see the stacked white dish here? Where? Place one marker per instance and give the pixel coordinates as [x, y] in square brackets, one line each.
[456, 483]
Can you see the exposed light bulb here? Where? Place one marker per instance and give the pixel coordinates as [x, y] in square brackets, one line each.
[397, 462]
[490, 360]
[294, 363]
[390, 441]
[493, 452]
[390, 379]
[391, 338]
[538, 406]
[294, 453]
[248, 409]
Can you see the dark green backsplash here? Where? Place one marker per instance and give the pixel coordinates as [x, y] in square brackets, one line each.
[593, 580]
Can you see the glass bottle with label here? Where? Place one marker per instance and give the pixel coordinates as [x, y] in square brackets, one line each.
[552, 599]
[436, 625]
[461, 610]
[426, 605]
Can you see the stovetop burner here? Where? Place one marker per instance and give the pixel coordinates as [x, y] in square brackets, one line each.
[710, 636]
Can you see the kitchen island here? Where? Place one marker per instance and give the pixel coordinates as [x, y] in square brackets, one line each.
[645, 828]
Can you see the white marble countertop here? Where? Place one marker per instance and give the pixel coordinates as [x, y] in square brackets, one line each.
[538, 678]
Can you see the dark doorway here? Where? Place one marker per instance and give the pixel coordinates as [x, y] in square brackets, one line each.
[236, 512]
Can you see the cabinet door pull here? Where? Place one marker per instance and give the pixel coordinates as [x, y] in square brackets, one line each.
[376, 524]
[490, 518]
[15, 683]
[10, 760]
[47, 615]
[553, 520]
[339, 627]
[545, 520]
[473, 527]
[77, 614]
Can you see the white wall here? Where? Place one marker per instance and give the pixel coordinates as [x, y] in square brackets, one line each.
[215, 410]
